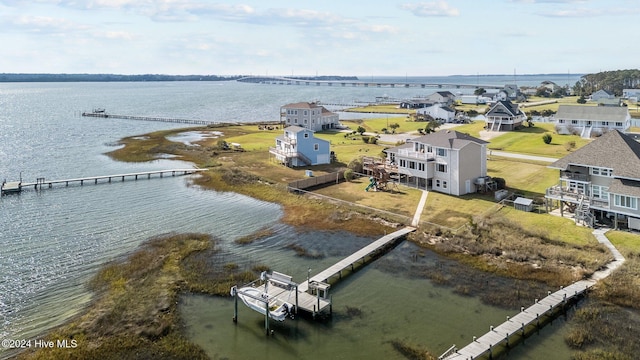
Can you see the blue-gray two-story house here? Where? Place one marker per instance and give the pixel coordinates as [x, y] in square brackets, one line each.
[298, 147]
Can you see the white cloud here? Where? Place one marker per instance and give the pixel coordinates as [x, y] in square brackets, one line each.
[434, 8]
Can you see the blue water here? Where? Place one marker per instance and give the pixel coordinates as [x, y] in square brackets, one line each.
[52, 241]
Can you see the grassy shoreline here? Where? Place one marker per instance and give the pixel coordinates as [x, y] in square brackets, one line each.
[537, 259]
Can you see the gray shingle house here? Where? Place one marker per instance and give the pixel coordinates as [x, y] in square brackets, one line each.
[600, 181]
[504, 116]
[446, 161]
[591, 120]
[309, 115]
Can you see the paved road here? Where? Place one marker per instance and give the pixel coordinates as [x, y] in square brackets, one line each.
[521, 156]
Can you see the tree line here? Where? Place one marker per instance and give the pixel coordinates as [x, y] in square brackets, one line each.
[612, 81]
[6, 77]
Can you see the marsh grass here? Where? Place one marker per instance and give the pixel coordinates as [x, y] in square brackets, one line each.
[257, 235]
[411, 351]
[134, 312]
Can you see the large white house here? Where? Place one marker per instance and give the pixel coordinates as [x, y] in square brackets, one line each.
[446, 161]
[600, 182]
[298, 147]
[591, 120]
[309, 115]
[438, 112]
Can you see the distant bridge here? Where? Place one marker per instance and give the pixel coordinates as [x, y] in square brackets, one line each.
[278, 80]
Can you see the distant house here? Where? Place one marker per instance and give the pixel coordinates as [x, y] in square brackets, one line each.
[438, 112]
[309, 115]
[446, 161]
[415, 104]
[616, 101]
[601, 94]
[298, 147]
[441, 97]
[590, 120]
[601, 181]
[631, 94]
[504, 116]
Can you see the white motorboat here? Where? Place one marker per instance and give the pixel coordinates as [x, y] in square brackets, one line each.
[257, 300]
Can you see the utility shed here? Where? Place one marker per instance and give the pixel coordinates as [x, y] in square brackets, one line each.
[523, 204]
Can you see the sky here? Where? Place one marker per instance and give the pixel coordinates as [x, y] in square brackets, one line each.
[327, 37]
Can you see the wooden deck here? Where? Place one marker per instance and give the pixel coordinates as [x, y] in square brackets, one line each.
[150, 118]
[349, 261]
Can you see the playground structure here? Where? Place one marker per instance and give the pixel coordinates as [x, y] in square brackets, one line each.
[379, 174]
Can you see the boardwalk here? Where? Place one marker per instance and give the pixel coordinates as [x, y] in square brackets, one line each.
[41, 182]
[351, 260]
[530, 317]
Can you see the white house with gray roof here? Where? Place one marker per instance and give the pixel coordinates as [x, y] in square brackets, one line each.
[601, 181]
[446, 161]
[591, 120]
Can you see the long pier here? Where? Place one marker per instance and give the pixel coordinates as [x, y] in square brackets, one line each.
[42, 182]
[104, 115]
[520, 325]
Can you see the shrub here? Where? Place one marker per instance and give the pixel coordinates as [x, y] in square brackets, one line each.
[365, 139]
[547, 138]
[348, 174]
[356, 165]
[570, 145]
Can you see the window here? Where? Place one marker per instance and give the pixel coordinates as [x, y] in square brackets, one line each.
[429, 149]
[574, 122]
[442, 168]
[619, 124]
[403, 163]
[306, 135]
[442, 152]
[437, 183]
[316, 147]
[412, 164]
[288, 121]
[626, 202]
[601, 171]
[295, 120]
[305, 113]
[305, 121]
[421, 166]
[561, 121]
[605, 123]
[599, 192]
[444, 184]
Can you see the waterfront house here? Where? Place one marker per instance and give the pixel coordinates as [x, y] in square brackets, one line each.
[439, 112]
[591, 120]
[446, 161]
[600, 182]
[298, 147]
[309, 115]
[504, 116]
[631, 94]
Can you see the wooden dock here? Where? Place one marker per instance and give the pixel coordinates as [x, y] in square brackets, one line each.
[104, 115]
[517, 327]
[351, 260]
[42, 182]
[312, 296]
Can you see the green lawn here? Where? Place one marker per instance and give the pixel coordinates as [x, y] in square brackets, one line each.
[528, 140]
[454, 211]
[555, 227]
[625, 241]
[530, 178]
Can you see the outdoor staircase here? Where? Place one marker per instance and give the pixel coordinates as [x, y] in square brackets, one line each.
[583, 213]
[304, 159]
[499, 123]
[586, 132]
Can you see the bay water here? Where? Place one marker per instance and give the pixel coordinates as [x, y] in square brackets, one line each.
[53, 240]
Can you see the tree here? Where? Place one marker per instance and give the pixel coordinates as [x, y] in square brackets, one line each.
[360, 130]
[393, 127]
[547, 138]
[479, 91]
[581, 100]
[432, 126]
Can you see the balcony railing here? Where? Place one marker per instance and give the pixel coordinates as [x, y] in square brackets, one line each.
[568, 175]
[571, 195]
[415, 154]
